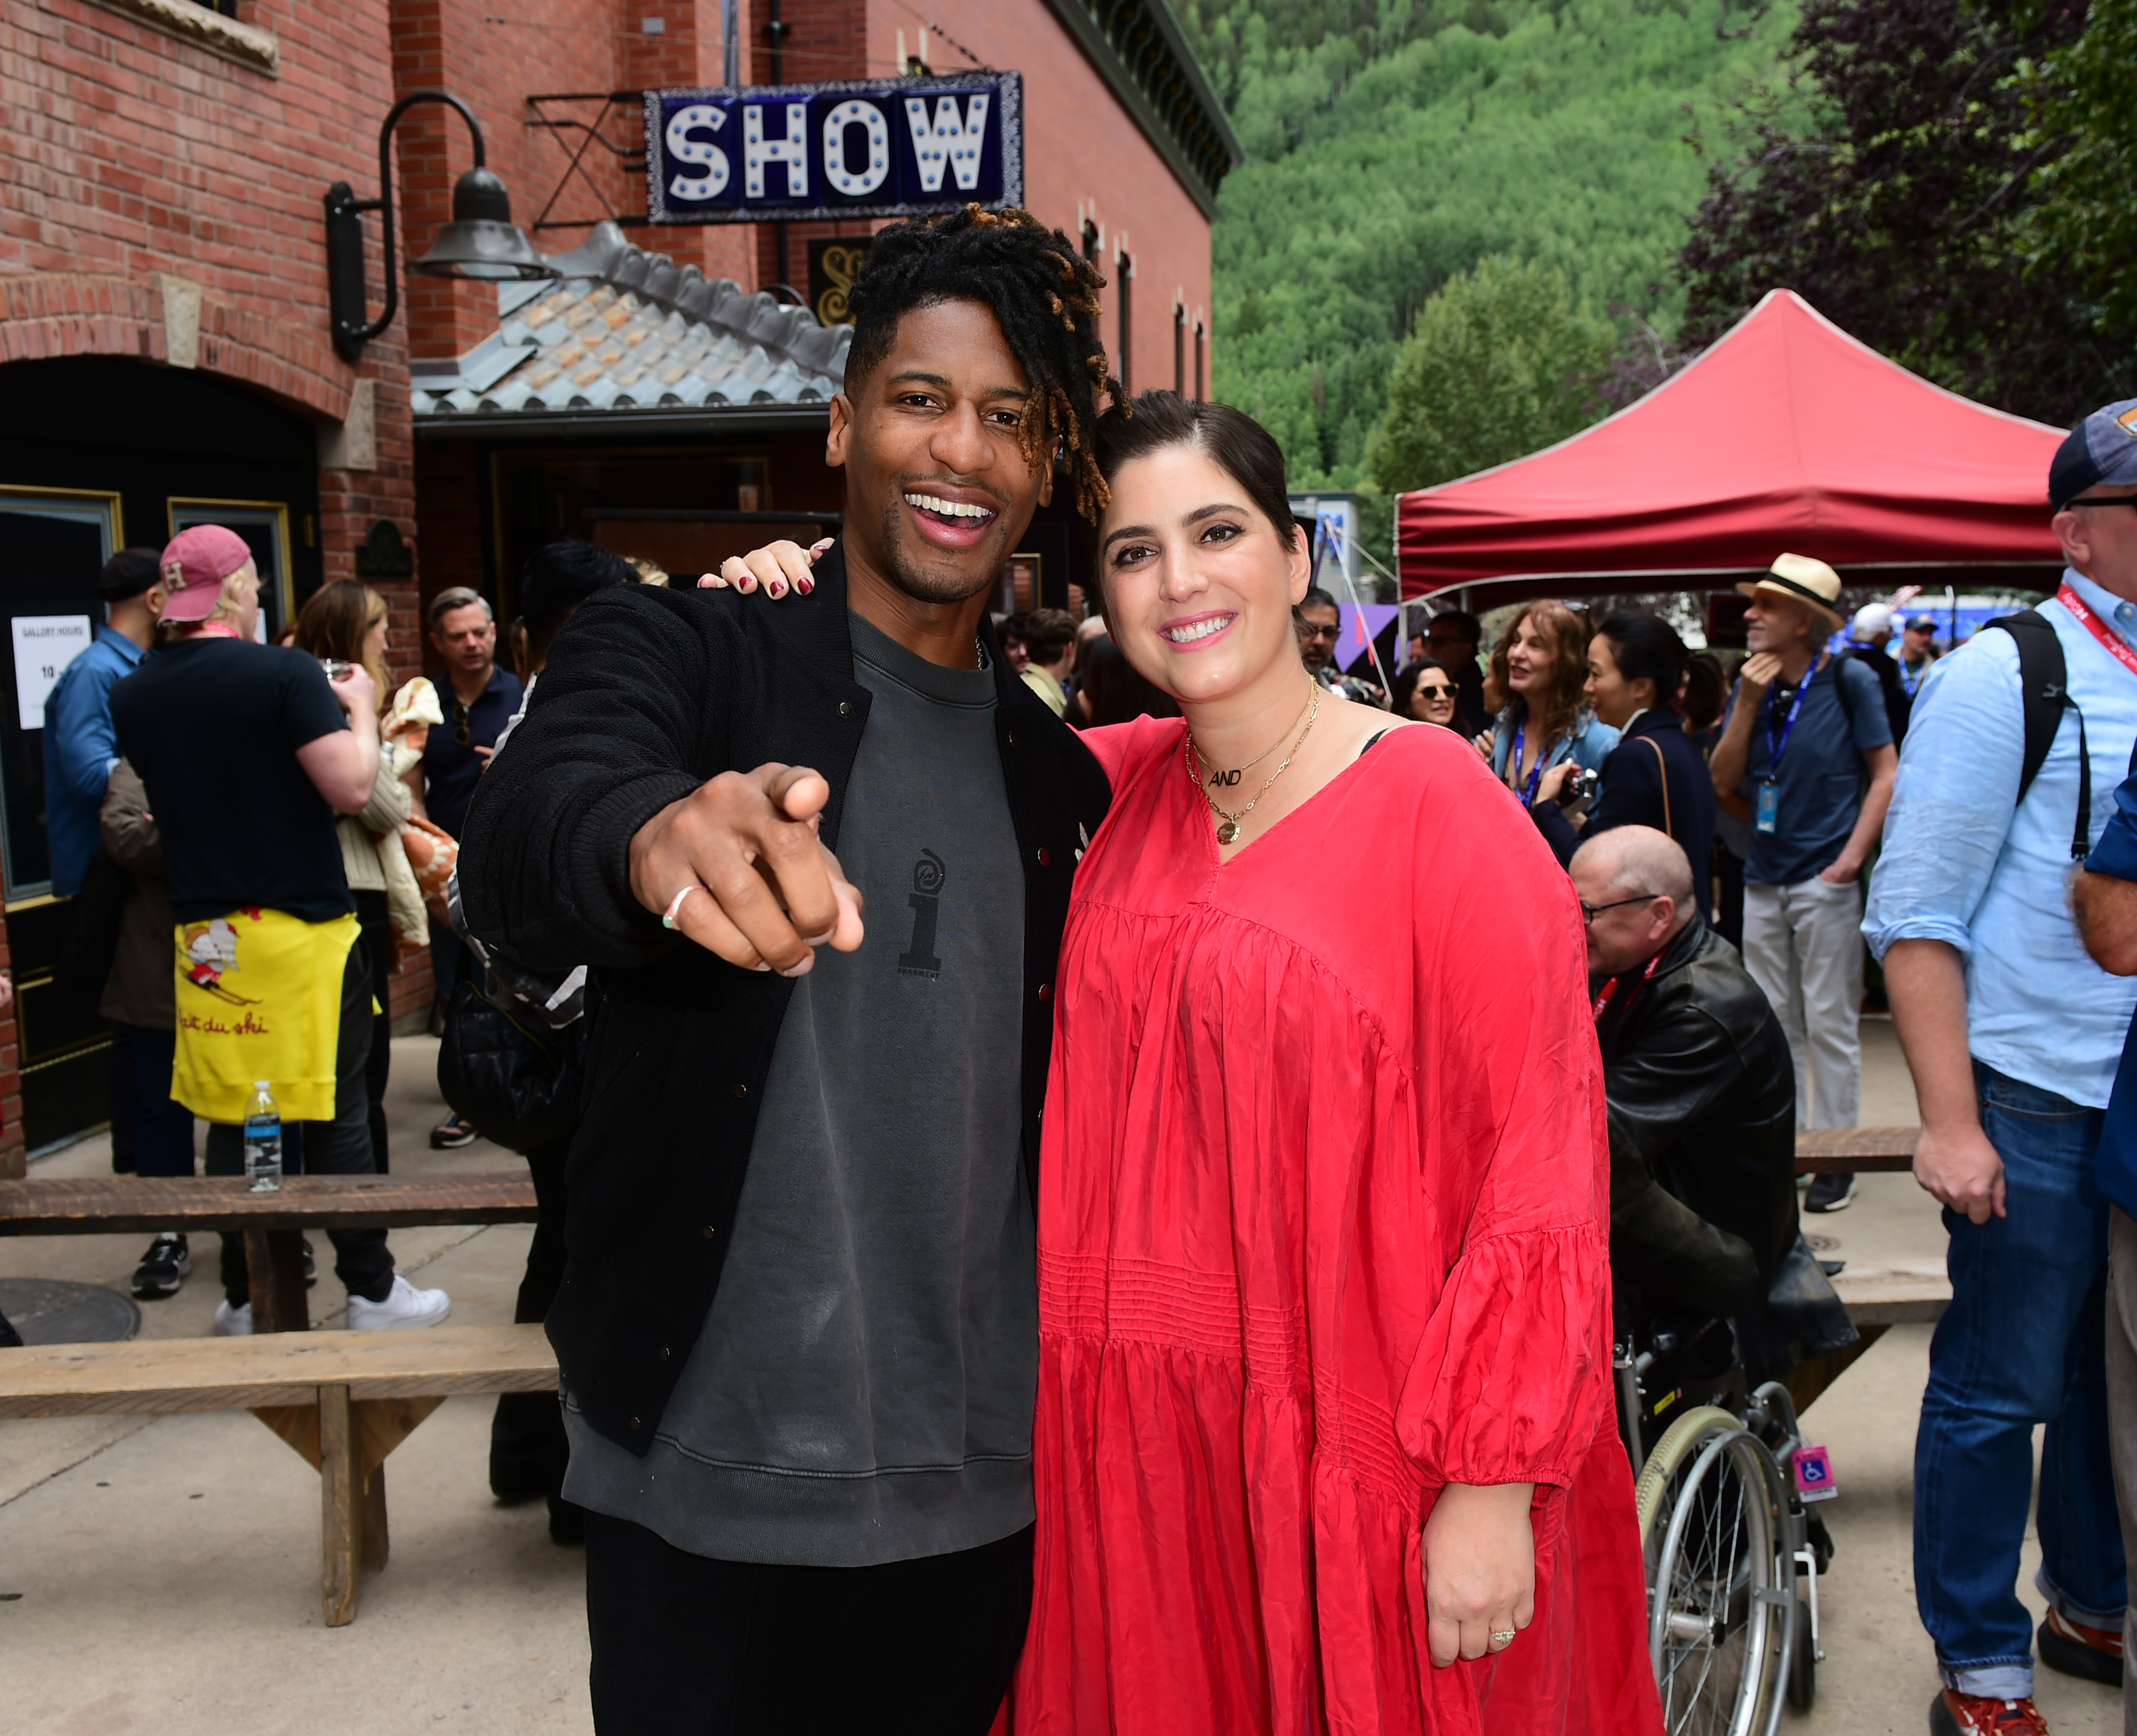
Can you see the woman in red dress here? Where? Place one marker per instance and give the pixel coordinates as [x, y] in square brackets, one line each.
[1325, 1436]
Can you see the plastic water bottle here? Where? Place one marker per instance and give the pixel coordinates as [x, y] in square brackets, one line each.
[263, 1141]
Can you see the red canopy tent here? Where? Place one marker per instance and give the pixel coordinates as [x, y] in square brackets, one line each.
[1786, 434]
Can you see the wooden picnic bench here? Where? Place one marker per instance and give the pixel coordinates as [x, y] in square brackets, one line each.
[343, 1400]
[1854, 1150]
[272, 1224]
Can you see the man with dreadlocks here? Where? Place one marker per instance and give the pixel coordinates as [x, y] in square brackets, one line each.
[798, 1328]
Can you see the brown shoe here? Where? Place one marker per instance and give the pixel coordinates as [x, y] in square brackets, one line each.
[1954, 1713]
[2076, 1649]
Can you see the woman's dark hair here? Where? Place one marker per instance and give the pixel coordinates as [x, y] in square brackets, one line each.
[1405, 686]
[1112, 690]
[558, 577]
[333, 621]
[1646, 647]
[1563, 694]
[1706, 691]
[1042, 292]
[1230, 439]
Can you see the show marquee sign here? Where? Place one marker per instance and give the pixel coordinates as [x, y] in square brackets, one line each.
[899, 147]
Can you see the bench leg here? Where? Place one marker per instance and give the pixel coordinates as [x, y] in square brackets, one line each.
[341, 1505]
[275, 1269]
[374, 1542]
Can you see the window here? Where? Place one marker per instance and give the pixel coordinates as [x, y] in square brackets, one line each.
[1179, 348]
[1123, 274]
[265, 526]
[1198, 361]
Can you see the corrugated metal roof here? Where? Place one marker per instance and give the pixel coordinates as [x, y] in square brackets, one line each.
[624, 329]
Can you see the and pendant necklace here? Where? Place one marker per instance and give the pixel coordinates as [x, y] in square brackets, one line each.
[1230, 779]
[1227, 824]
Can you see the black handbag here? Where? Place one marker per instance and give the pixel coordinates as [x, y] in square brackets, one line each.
[501, 1069]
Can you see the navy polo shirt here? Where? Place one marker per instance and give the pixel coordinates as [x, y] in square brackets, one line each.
[451, 767]
[2115, 1164]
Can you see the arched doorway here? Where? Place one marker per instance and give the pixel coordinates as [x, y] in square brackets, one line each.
[98, 453]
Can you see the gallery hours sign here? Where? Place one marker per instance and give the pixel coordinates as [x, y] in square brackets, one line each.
[889, 147]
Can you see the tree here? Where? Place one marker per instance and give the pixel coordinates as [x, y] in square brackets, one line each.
[2081, 96]
[1906, 210]
[1503, 362]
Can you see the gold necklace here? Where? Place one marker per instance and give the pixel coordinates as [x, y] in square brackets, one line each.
[1230, 779]
[1227, 825]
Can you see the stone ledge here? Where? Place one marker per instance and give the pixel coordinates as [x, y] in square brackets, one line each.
[204, 27]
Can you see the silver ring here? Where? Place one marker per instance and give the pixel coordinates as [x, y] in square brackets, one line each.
[1501, 1638]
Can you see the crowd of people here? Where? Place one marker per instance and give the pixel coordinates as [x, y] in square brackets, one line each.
[1092, 1173]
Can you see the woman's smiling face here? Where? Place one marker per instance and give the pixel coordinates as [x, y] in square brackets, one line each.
[1529, 656]
[1198, 586]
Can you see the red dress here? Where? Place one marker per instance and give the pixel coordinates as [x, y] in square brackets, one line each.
[1322, 1227]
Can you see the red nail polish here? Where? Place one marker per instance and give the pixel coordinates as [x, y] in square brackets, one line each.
[805, 585]
[776, 587]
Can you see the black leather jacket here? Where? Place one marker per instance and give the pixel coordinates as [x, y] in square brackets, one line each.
[1700, 1092]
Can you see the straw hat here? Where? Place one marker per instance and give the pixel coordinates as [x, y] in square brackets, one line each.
[1804, 580]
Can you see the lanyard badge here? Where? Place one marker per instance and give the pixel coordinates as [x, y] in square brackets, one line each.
[1768, 812]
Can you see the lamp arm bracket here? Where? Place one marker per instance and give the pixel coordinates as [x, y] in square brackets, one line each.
[384, 204]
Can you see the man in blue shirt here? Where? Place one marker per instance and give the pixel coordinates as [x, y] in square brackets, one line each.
[2014, 1034]
[1806, 755]
[81, 747]
[2105, 897]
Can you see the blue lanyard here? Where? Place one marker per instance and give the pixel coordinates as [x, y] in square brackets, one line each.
[1914, 687]
[1775, 749]
[1527, 796]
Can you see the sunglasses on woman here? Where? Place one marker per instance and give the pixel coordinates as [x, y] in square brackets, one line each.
[1438, 692]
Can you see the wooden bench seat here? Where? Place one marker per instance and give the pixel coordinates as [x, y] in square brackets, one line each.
[273, 1224]
[1854, 1150]
[343, 1400]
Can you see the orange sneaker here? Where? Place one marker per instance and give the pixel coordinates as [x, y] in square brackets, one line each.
[2076, 1649]
[1954, 1713]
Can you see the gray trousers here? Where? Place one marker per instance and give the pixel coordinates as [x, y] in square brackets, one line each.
[2122, 1416]
[1803, 945]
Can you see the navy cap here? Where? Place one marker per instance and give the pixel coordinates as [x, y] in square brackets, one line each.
[1927, 622]
[2101, 449]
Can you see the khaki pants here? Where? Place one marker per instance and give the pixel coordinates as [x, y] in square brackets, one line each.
[2122, 1416]
[1803, 945]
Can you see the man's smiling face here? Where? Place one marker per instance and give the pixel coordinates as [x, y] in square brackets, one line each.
[938, 494]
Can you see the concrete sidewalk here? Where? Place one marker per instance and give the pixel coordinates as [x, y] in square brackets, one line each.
[163, 1575]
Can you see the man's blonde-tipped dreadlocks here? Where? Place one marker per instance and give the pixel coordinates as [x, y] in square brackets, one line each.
[1043, 293]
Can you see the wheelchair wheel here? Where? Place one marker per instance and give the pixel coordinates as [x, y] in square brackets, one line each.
[1802, 1662]
[1722, 1614]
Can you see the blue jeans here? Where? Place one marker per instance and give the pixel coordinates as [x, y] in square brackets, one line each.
[2023, 1344]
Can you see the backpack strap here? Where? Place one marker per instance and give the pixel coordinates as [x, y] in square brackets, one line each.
[2044, 695]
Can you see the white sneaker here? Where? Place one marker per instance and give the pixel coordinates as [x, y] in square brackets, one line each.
[233, 1322]
[405, 1305]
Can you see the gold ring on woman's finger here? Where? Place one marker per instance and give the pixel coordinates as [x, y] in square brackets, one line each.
[675, 905]
[1501, 1638]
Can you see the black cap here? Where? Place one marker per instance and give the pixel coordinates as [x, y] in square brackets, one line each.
[130, 572]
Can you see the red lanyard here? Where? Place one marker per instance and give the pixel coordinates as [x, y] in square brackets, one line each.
[2116, 648]
[215, 630]
[1610, 988]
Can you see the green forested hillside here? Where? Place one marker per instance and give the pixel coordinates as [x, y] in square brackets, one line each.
[1394, 144]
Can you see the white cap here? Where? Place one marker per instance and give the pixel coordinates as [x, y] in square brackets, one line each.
[1873, 617]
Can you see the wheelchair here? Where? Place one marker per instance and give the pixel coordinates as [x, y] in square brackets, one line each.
[1733, 1556]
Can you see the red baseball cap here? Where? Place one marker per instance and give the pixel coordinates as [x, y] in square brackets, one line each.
[194, 565]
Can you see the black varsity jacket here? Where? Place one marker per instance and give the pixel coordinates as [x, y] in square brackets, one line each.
[648, 694]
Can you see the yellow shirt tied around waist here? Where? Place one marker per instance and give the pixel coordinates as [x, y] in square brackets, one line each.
[260, 998]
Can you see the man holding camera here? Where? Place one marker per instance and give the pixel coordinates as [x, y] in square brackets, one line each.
[1803, 733]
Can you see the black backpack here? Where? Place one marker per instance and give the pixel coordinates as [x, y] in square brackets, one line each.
[2042, 674]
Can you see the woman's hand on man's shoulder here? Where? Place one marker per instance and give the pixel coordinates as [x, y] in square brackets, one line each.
[776, 568]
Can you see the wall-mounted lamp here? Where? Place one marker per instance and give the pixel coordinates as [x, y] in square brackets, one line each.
[480, 242]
